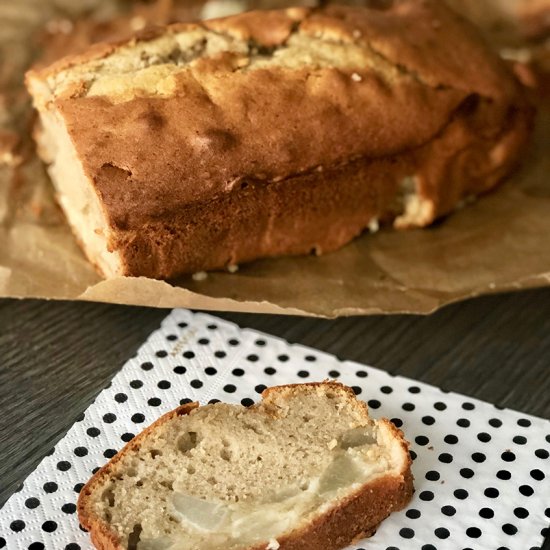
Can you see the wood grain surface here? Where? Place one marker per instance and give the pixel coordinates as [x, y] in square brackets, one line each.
[55, 357]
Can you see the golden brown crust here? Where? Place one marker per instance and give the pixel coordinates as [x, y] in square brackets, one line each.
[273, 128]
[281, 390]
[345, 198]
[349, 522]
[318, 212]
[355, 517]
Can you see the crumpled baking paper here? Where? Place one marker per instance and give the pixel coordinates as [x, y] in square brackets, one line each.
[499, 243]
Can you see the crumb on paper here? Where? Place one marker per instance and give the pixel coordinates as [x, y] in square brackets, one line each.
[521, 55]
[199, 276]
[222, 8]
[233, 268]
[356, 77]
[59, 26]
[9, 142]
[374, 225]
[138, 23]
[8, 158]
[273, 545]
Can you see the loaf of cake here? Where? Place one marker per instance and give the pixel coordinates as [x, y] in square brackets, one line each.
[305, 469]
[198, 146]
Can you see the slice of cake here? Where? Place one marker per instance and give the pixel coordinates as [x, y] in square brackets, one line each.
[306, 468]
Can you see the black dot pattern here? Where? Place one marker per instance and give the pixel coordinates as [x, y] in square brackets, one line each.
[481, 473]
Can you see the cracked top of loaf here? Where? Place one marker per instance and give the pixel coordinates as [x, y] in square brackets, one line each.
[188, 112]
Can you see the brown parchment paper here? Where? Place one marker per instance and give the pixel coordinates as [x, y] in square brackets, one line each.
[500, 242]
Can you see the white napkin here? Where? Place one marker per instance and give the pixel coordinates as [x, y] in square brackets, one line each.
[481, 473]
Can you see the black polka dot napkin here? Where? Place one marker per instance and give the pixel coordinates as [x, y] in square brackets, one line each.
[482, 473]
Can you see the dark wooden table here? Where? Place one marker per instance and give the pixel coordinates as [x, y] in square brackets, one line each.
[56, 357]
